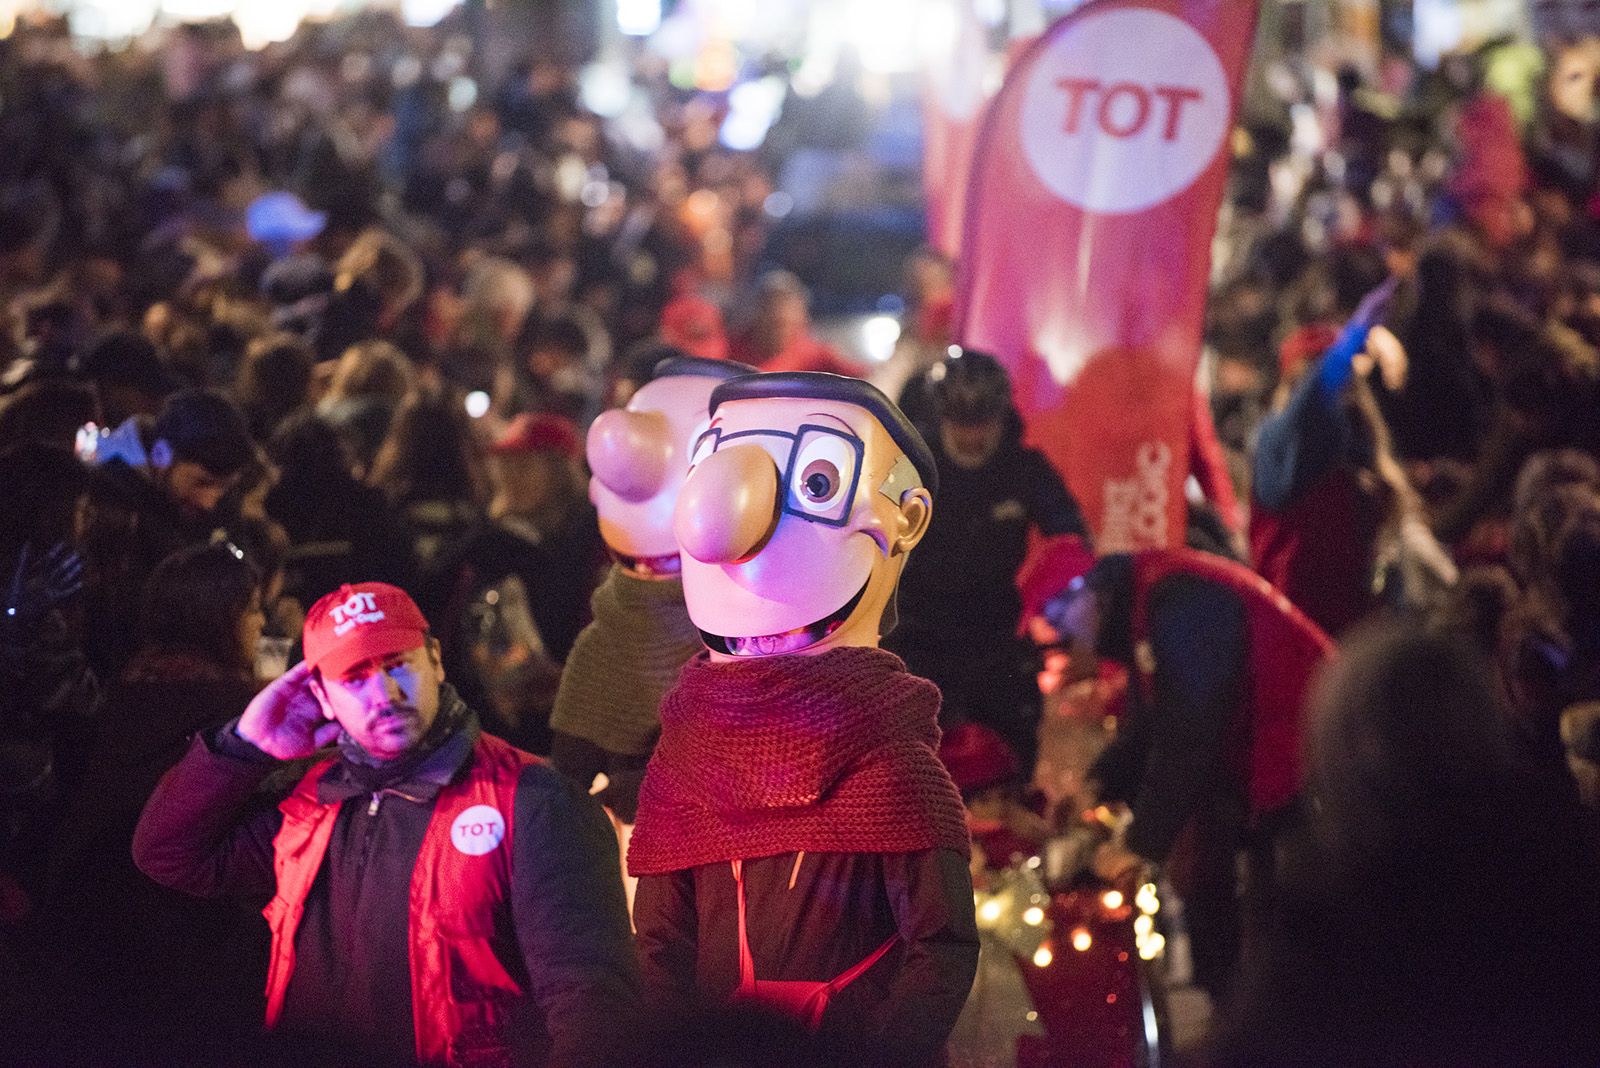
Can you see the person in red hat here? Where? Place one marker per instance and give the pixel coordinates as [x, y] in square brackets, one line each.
[511, 597]
[1208, 750]
[430, 884]
[990, 779]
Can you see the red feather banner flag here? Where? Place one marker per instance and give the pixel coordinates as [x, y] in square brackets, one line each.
[1087, 244]
[955, 89]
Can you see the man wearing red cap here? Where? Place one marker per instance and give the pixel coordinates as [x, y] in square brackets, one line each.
[432, 887]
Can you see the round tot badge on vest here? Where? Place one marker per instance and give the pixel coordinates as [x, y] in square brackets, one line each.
[478, 830]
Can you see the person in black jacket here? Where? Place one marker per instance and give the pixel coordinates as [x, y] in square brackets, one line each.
[1206, 756]
[156, 967]
[959, 604]
[438, 896]
[49, 695]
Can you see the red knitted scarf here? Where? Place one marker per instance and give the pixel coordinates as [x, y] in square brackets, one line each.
[836, 753]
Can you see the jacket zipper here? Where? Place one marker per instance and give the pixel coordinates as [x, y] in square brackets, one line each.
[361, 865]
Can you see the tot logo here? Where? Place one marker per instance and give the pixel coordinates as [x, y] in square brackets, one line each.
[1124, 110]
[1136, 508]
[478, 830]
[358, 608]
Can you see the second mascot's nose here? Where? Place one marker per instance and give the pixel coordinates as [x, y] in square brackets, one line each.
[728, 506]
[630, 452]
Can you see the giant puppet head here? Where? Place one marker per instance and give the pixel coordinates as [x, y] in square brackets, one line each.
[639, 455]
[804, 496]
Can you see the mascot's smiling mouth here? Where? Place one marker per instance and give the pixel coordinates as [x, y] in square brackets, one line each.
[648, 567]
[789, 641]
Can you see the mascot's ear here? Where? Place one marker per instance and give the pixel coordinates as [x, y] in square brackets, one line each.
[916, 510]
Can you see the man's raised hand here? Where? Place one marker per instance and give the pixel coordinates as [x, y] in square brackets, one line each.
[285, 720]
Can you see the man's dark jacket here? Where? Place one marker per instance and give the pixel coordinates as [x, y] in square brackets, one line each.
[813, 918]
[962, 578]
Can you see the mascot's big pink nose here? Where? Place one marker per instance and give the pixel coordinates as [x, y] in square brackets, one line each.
[728, 506]
[630, 452]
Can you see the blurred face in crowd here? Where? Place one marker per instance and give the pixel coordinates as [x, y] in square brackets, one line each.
[195, 490]
[784, 320]
[538, 487]
[1078, 623]
[386, 704]
[971, 445]
[1574, 70]
[554, 279]
[929, 278]
[483, 128]
[548, 362]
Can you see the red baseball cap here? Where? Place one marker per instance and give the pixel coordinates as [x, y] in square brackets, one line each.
[1304, 344]
[360, 622]
[1049, 569]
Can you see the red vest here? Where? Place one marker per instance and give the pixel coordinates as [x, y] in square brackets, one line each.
[1284, 648]
[461, 991]
[1319, 549]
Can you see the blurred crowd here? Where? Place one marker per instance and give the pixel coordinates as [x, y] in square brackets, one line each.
[1448, 471]
[340, 311]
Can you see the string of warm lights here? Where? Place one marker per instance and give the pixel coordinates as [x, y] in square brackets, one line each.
[1014, 908]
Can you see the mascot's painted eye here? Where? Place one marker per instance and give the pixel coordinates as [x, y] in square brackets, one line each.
[822, 474]
[819, 482]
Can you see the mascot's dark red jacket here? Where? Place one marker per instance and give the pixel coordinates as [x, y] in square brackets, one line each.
[422, 920]
[1221, 664]
[800, 845]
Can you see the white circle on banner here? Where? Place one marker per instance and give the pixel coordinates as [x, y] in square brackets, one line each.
[1124, 110]
[478, 830]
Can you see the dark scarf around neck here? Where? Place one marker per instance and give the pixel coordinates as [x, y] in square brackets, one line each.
[830, 753]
